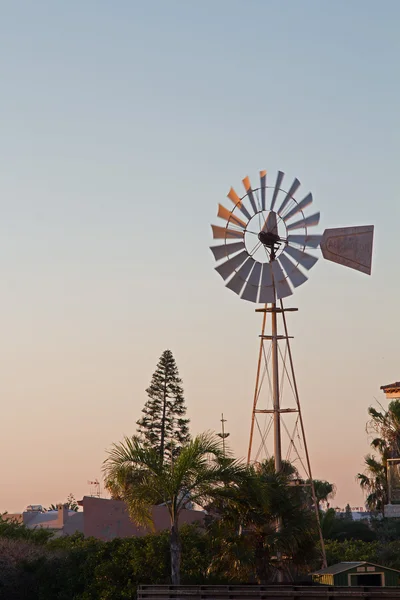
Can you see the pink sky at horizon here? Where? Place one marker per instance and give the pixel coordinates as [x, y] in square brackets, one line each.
[122, 130]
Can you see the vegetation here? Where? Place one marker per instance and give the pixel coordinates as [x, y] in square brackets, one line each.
[138, 475]
[248, 544]
[385, 426]
[324, 491]
[163, 425]
[257, 523]
[11, 529]
[70, 503]
[89, 569]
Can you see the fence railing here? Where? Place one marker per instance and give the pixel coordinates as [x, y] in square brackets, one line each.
[265, 592]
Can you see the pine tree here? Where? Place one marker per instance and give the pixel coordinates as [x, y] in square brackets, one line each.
[348, 515]
[163, 425]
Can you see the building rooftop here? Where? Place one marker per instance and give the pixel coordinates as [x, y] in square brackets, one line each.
[346, 566]
[395, 385]
[339, 568]
[49, 519]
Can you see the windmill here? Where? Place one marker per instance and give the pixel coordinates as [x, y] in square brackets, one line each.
[266, 252]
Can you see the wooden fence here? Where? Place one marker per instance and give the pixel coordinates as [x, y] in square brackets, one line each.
[260, 592]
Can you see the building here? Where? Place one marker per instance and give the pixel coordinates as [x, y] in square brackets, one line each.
[107, 519]
[358, 513]
[359, 573]
[391, 390]
[101, 518]
[61, 521]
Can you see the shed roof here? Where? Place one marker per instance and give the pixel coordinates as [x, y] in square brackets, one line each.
[347, 566]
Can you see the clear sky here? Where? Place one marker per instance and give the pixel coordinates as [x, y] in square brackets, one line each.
[123, 124]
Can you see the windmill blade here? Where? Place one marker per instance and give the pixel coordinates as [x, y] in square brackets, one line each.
[293, 188]
[282, 287]
[299, 207]
[224, 232]
[229, 266]
[254, 278]
[267, 290]
[310, 221]
[249, 191]
[225, 250]
[232, 195]
[251, 288]
[307, 241]
[294, 274]
[266, 275]
[307, 261]
[235, 284]
[267, 295]
[238, 280]
[224, 213]
[263, 185]
[349, 246]
[246, 268]
[278, 183]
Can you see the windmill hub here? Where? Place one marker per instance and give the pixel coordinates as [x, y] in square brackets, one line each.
[269, 239]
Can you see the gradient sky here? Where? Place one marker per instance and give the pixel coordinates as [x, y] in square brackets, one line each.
[123, 124]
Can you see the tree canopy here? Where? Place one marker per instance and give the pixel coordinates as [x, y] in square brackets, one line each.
[384, 425]
[163, 425]
[70, 503]
[138, 475]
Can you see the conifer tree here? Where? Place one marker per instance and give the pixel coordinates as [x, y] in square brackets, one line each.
[348, 515]
[163, 425]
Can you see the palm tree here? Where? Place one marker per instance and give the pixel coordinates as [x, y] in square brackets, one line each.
[327, 522]
[324, 491]
[374, 482]
[267, 467]
[385, 426]
[71, 504]
[138, 475]
[250, 544]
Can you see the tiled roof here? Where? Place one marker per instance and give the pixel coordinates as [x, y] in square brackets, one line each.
[396, 385]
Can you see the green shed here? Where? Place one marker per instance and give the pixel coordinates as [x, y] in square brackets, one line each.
[359, 573]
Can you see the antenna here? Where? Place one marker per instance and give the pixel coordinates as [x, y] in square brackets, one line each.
[263, 258]
[223, 435]
[94, 488]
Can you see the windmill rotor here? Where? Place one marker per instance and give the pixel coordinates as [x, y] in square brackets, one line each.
[260, 259]
[267, 241]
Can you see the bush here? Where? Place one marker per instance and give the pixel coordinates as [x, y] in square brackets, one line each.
[89, 569]
[12, 529]
[73, 567]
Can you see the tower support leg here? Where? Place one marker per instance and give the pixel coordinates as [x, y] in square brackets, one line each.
[275, 393]
[257, 386]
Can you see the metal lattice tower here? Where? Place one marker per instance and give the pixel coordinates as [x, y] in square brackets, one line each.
[263, 261]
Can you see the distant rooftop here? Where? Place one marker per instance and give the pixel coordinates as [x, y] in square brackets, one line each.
[391, 386]
[49, 519]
